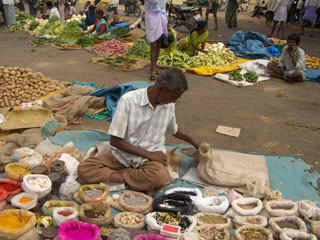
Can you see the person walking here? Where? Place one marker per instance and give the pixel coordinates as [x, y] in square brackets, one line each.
[156, 27]
[32, 10]
[212, 7]
[9, 11]
[280, 16]
[310, 14]
[271, 8]
[231, 13]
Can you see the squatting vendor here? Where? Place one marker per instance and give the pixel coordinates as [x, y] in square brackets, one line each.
[137, 157]
[100, 26]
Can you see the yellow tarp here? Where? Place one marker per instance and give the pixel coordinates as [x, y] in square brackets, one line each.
[208, 71]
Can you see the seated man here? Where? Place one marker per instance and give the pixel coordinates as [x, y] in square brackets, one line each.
[138, 128]
[292, 63]
[53, 11]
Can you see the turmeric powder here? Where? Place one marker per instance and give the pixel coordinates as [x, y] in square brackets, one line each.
[25, 200]
[20, 170]
[13, 222]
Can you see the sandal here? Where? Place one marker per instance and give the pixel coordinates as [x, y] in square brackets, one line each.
[153, 76]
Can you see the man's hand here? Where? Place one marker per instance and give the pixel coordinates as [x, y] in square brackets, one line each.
[158, 156]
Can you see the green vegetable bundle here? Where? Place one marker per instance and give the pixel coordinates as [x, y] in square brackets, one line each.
[71, 32]
[22, 16]
[34, 25]
[178, 59]
[118, 62]
[49, 28]
[85, 41]
[140, 50]
[216, 59]
[251, 77]
[104, 37]
[235, 76]
[119, 31]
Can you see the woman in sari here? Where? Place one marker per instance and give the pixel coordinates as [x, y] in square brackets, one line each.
[189, 44]
[100, 26]
[231, 13]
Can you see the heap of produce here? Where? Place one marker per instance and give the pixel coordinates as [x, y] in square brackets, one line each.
[178, 60]
[34, 24]
[19, 85]
[78, 18]
[70, 32]
[103, 37]
[22, 16]
[312, 62]
[50, 27]
[119, 31]
[41, 22]
[140, 50]
[251, 77]
[235, 76]
[22, 22]
[85, 41]
[118, 62]
[112, 47]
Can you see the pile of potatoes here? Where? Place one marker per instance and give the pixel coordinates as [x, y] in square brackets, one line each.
[22, 85]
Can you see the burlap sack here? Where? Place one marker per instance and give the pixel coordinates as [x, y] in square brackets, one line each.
[253, 220]
[86, 199]
[315, 223]
[24, 140]
[280, 208]
[295, 234]
[174, 159]
[32, 234]
[231, 169]
[4, 160]
[203, 231]
[276, 229]
[96, 206]
[16, 171]
[18, 232]
[133, 35]
[239, 206]
[48, 206]
[129, 220]
[227, 225]
[138, 208]
[237, 233]
[116, 205]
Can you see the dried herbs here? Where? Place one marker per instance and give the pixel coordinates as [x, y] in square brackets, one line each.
[250, 234]
[212, 219]
[211, 233]
[135, 200]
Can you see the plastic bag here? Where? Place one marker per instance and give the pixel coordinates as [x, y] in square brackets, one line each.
[280, 208]
[193, 193]
[254, 220]
[212, 204]
[258, 66]
[38, 184]
[255, 202]
[233, 195]
[68, 188]
[154, 224]
[237, 233]
[290, 234]
[173, 203]
[276, 229]
[77, 230]
[71, 164]
[15, 201]
[28, 156]
[60, 215]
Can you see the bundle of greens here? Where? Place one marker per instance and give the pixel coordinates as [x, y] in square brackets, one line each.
[235, 76]
[22, 16]
[34, 25]
[51, 25]
[119, 31]
[71, 32]
[140, 50]
[85, 41]
[178, 59]
[251, 77]
[118, 62]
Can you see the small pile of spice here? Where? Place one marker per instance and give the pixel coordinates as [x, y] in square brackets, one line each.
[120, 234]
[13, 222]
[284, 207]
[252, 221]
[20, 170]
[250, 234]
[65, 213]
[288, 225]
[93, 193]
[90, 213]
[25, 200]
[248, 206]
[135, 200]
[211, 233]
[212, 219]
[9, 187]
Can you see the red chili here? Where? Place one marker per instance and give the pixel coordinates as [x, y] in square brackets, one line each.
[65, 213]
[8, 187]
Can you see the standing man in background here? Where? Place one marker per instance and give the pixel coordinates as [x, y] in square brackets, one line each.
[32, 10]
[9, 11]
[310, 14]
[270, 11]
[212, 7]
[156, 26]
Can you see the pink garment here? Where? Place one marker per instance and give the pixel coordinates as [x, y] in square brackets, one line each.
[77, 230]
[156, 25]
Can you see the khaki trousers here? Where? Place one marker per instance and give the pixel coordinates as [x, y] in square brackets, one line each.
[149, 176]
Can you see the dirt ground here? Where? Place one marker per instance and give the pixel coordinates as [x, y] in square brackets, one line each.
[208, 103]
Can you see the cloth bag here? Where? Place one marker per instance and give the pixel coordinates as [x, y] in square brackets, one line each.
[232, 169]
[96, 206]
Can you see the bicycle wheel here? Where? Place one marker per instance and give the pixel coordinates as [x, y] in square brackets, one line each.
[137, 11]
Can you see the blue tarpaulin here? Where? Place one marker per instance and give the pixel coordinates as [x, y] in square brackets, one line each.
[248, 45]
[313, 75]
[113, 94]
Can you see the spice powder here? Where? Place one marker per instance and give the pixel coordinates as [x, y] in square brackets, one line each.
[135, 200]
[250, 234]
[212, 219]
[13, 222]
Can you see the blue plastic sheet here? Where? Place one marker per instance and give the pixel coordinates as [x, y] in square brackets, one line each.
[86, 84]
[113, 94]
[274, 51]
[248, 45]
[313, 75]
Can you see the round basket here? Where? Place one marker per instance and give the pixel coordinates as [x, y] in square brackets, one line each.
[96, 206]
[129, 220]
[135, 208]
[85, 199]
